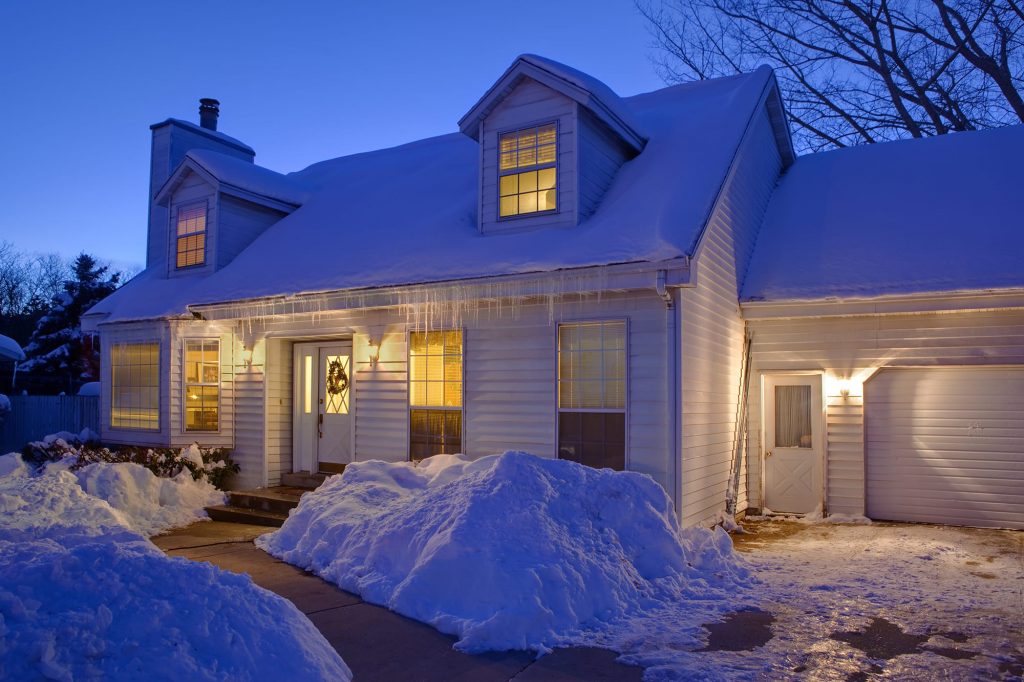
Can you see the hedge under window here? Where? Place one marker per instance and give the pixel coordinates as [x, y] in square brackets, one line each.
[202, 384]
[592, 393]
[135, 386]
[435, 393]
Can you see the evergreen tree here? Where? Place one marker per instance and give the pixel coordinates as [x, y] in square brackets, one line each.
[57, 348]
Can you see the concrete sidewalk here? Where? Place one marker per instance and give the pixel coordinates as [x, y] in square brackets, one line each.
[379, 644]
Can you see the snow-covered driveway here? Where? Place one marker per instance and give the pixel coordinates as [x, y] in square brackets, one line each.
[896, 601]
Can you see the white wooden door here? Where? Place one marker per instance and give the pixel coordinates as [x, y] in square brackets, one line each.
[793, 443]
[334, 433]
[946, 445]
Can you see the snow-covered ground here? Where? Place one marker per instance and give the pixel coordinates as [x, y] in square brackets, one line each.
[515, 551]
[84, 595]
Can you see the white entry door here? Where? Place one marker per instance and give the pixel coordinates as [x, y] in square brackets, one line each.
[793, 443]
[322, 419]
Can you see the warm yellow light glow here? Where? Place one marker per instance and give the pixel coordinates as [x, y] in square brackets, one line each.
[308, 377]
[247, 356]
[373, 348]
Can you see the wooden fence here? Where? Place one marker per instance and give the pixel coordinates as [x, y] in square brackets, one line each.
[35, 416]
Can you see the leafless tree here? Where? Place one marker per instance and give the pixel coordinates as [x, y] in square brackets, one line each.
[27, 280]
[857, 71]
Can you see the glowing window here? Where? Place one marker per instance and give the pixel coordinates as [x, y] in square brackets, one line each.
[527, 176]
[592, 393]
[435, 393]
[202, 384]
[191, 236]
[135, 386]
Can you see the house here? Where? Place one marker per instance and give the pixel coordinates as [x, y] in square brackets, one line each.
[576, 274]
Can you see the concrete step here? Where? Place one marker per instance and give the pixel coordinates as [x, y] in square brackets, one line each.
[279, 500]
[303, 479]
[232, 514]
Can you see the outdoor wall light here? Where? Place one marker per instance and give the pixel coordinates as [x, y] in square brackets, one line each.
[247, 356]
[844, 387]
[374, 351]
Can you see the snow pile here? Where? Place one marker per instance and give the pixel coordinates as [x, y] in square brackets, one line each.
[509, 551]
[149, 503]
[5, 406]
[83, 597]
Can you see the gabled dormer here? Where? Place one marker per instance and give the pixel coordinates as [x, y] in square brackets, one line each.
[216, 206]
[551, 142]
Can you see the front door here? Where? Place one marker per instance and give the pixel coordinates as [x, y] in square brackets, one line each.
[793, 443]
[322, 438]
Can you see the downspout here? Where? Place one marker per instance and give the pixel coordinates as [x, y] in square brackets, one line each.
[672, 381]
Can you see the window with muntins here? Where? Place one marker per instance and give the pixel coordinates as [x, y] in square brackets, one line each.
[527, 173]
[202, 384]
[592, 393]
[435, 393]
[191, 249]
[135, 386]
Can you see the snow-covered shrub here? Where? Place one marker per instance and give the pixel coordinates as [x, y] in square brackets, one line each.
[5, 407]
[509, 551]
[210, 464]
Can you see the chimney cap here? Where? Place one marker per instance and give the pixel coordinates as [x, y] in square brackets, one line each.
[209, 110]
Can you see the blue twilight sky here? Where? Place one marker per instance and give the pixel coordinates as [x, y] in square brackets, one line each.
[298, 81]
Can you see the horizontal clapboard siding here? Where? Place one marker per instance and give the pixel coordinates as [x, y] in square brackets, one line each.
[845, 347]
[712, 328]
[946, 445]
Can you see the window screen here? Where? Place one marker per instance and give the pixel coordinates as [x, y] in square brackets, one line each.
[435, 393]
[135, 386]
[592, 393]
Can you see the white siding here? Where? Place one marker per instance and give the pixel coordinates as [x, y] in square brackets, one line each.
[855, 347]
[601, 154]
[529, 103]
[712, 328]
[239, 223]
[509, 393]
[250, 452]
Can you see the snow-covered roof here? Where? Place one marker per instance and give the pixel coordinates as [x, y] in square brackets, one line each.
[940, 214]
[212, 134]
[408, 215]
[579, 86]
[232, 172]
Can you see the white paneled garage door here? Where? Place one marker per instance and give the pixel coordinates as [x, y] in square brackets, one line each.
[946, 445]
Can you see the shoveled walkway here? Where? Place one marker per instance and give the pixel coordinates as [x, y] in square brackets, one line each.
[379, 644]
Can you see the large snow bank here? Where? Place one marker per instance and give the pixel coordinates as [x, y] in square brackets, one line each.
[509, 551]
[84, 597]
[150, 504]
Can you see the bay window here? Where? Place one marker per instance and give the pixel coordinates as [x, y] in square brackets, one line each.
[592, 393]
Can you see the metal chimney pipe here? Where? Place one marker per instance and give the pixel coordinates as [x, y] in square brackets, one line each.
[209, 110]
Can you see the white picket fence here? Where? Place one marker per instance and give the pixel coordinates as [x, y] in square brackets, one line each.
[35, 416]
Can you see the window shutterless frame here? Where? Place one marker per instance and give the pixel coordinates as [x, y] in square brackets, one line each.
[408, 389]
[185, 384]
[194, 235]
[115, 384]
[625, 411]
[535, 167]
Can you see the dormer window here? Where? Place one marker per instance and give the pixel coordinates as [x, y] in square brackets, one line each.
[191, 235]
[527, 182]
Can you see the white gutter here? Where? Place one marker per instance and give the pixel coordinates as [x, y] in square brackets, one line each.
[891, 304]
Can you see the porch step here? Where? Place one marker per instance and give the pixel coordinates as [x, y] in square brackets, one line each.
[303, 479]
[232, 514]
[278, 500]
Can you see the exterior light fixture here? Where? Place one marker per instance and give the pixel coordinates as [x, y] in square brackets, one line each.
[844, 387]
[247, 356]
[374, 351]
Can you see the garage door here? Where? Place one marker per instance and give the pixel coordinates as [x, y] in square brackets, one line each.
[946, 446]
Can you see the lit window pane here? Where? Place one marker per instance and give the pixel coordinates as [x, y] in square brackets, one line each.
[528, 203]
[509, 206]
[509, 185]
[546, 200]
[202, 385]
[527, 138]
[546, 154]
[546, 134]
[527, 157]
[191, 228]
[546, 178]
[508, 160]
[528, 182]
[507, 142]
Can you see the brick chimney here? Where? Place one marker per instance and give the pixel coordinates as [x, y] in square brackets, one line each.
[209, 110]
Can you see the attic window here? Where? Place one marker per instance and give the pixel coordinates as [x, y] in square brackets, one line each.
[191, 235]
[527, 181]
